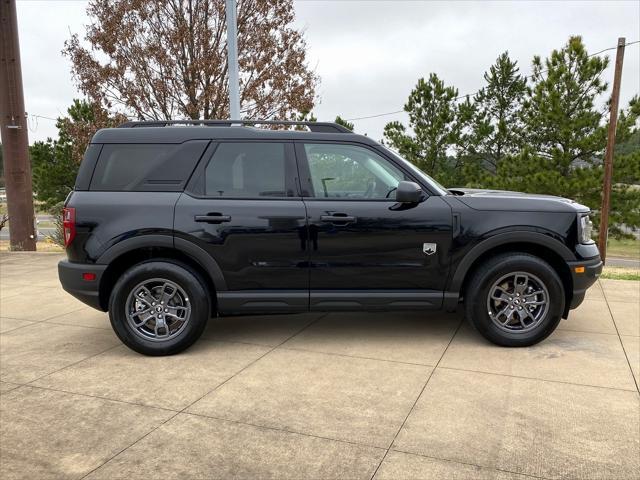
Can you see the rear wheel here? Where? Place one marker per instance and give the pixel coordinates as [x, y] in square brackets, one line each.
[159, 308]
[515, 299]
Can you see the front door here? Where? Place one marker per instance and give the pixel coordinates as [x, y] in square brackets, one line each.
[243, 207]
[365, 249]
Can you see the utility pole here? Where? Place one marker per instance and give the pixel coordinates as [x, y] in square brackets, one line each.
[13, 129]
[608, 156]
[232, 61]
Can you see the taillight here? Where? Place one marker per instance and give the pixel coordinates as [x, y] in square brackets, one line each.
[68, 225]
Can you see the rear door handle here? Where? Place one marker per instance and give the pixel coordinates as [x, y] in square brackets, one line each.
[340, 219]
[212, 218]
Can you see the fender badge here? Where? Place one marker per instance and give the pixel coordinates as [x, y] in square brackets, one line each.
[429, 248]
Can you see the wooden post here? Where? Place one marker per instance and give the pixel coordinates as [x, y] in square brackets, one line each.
[13, 129]
[608, 156]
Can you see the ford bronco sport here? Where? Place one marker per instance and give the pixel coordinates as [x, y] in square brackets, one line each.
[171, 223]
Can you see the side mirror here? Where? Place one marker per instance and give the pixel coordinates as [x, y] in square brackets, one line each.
[408, 192]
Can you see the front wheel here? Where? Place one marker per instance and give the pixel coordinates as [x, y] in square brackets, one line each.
[515, 300]
[158, 308]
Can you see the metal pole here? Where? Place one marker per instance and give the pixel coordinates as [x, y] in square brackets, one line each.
[608, 157]
[13, 131]
[232, 60]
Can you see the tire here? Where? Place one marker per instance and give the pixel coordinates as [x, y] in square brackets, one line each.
[509, 320]
[165, 319]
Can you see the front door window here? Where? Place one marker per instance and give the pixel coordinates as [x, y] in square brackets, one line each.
[350, 172]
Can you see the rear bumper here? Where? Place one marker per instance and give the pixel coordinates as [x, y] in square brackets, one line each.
[71, 278]
[582, 281]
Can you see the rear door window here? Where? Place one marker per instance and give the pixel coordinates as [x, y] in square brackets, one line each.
[248, 170]
[146, 167]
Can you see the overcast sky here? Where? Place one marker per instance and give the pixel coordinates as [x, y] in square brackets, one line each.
[369, 55]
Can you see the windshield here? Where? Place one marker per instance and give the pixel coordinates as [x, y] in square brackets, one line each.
[435, 185]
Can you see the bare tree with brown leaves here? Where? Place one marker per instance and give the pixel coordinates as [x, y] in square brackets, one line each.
[164, 59]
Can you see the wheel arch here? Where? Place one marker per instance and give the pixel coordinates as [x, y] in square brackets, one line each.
[550, 250]
[135, 250]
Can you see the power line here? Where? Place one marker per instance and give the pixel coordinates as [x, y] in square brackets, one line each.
[474, 93]
[460, 97]
[41, 116]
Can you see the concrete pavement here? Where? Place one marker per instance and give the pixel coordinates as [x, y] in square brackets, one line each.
[357, 395]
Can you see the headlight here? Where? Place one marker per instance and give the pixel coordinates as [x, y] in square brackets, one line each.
[585, 230]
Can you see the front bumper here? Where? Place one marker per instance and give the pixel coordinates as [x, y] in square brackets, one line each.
[73, 282]
[582, 280]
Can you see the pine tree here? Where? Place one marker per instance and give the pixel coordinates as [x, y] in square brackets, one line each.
[55, 163]
[341, 121]
[433, 115]
[495, 120]
[564, 138]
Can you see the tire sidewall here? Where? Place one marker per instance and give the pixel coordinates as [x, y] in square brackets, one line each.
[485, 279]
[177, 273]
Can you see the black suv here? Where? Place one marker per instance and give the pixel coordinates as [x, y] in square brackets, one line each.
[171, 223]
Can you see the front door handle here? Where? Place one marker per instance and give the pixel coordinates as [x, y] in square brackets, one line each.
[212, 218]
[337, 219]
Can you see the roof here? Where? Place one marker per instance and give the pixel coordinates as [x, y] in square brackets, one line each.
[139, 132]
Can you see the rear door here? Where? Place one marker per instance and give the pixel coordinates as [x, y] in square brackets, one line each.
[365, 249]
[243, 207]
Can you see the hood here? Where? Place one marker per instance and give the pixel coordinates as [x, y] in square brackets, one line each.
[515, 201]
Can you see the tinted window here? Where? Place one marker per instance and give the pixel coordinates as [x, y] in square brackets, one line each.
[351, 172]
[247, 170]
[146, 167]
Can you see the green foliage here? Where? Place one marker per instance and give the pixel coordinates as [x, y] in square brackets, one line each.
[564, 139]
[341, 121]
[57, 235]
[494, 126]
[545, 135]
[433, 119]
[53, 166]
[561, 121]
[54, 172]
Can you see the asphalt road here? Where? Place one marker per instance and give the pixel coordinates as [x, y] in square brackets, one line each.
[42, 233]
[623, 262]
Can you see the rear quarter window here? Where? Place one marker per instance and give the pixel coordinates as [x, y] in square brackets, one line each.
[143, 167]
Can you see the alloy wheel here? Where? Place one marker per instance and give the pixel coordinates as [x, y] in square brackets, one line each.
[518, 302]
[158, 309]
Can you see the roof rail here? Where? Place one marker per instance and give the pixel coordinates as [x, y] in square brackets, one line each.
[324, 127]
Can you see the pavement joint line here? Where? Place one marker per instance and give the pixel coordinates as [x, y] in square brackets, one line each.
[201, 415]
[284, 430]
[97, 397]
[224, 382]
[73, 325]
[534, 379]
[416, 400]
[60, 315]
[48, 320]
[622, 344]
[460, 369]
[496, 469]
[71, 364]
[583, 331]
[31, 322]
[296, 349]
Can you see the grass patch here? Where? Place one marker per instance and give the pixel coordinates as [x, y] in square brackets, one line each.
[620, 273]
[627, 247]
[41, 246]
